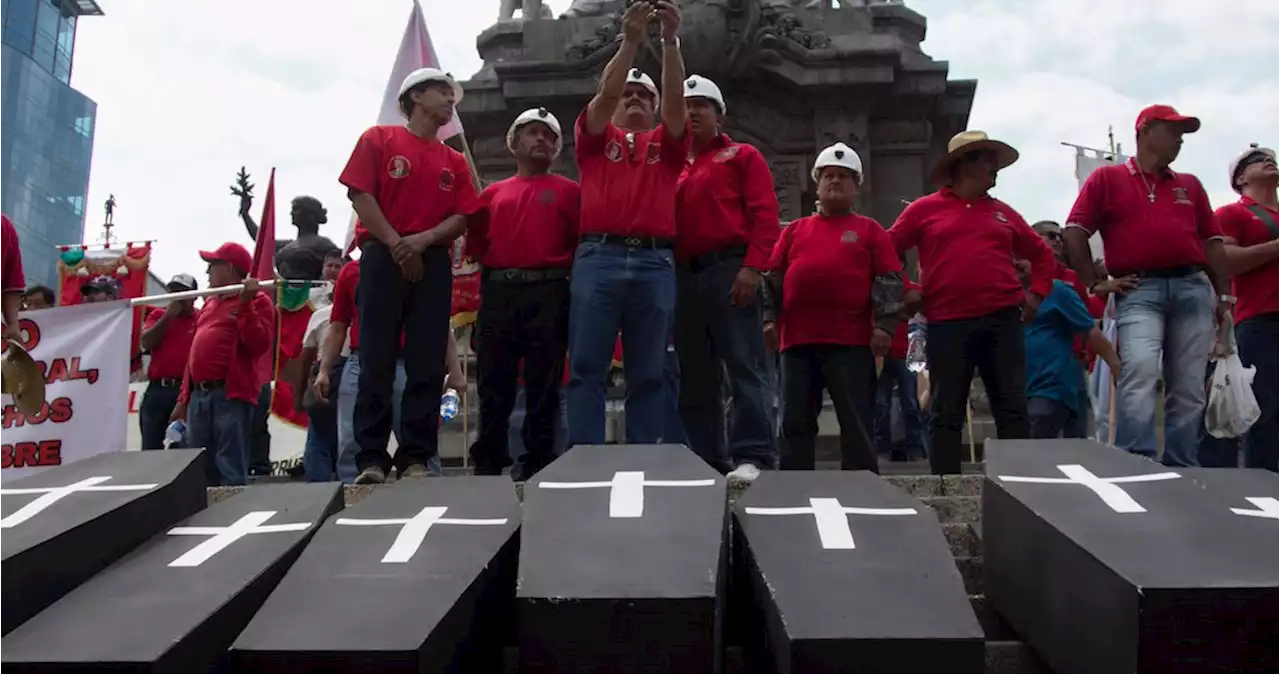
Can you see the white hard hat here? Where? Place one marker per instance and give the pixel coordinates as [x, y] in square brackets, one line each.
[698, 86]
[636, 76]
[1234, 167]
[535, 115]
[431, 75]
[839, 155]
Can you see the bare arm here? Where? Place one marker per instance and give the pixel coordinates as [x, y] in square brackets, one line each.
[1244, 259]
[674, 112]
[1218, 266]
[1105, 349]
[12, 305]
[331, 345]
[442, 234]
[373, 219]
[151, 336]
[613, 81]
[1076, 241]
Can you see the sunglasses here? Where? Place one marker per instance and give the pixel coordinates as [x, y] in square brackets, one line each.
[1052, 235]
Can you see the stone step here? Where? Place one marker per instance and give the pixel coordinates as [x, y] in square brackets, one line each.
[955, 509]
[971, 571]
[961, 539]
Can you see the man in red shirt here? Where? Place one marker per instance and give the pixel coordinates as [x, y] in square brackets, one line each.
[624, 270]
[837, 285]
[13, 280]
[166, 335]
[220, 385]
[727, 217]
[413, 194]
[1249, 230]
[1164, 252]
[524, 241]
[974, 302]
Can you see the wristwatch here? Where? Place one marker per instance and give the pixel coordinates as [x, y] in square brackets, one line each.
[1229, 299]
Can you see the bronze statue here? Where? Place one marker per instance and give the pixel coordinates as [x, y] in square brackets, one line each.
[301, 258]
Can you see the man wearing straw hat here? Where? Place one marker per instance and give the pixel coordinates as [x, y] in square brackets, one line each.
[1164, 252]
[973, 299]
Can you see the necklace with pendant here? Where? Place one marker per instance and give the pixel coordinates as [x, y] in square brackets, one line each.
[1151, 189]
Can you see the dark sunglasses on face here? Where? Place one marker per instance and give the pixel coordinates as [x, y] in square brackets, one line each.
[1052, 235]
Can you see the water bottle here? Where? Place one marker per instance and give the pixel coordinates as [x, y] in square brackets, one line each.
[176, 432]
[916, 361]
[449, 405]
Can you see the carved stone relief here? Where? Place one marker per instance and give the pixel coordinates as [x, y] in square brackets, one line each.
[889, 132]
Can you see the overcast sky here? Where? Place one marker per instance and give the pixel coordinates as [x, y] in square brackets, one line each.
[189, 91]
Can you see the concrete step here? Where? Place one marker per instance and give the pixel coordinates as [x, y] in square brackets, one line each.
[955, 509]
[971, 571]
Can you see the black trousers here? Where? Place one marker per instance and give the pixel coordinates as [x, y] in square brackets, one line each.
[518, 321]
[848, 373]
[389, 305]
[992, 344]
[154, 411]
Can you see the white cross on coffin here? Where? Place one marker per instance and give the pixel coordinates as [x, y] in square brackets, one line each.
[1106, 488]
[832, 519]
[1266, 507]
[626, 490]
[223, 537]
[414, 529]
[51, 495]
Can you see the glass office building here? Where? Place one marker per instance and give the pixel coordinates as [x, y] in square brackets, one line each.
[47, 134]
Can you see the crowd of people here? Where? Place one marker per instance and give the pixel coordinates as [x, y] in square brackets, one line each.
[670, 244]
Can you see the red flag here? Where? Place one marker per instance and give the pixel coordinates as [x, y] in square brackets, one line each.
[264, 250]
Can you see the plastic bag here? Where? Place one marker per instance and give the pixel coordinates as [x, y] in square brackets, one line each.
[1232, 408]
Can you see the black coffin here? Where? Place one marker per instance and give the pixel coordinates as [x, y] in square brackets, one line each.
[850, 574]
[64, 524]
[1248, 492]
[176, 603]
[418, 577]
[1145, 573]
[623, 556]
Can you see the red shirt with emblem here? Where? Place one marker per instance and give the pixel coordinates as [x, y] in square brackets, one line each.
[967, 248]
[230, 337]
[827, 266]
[725, 197]
[629, 189]
[526, 223]
[169, 358]
[418, 182]
[1256, 290]
[1138, 234]
[14, 281]
[898, 347]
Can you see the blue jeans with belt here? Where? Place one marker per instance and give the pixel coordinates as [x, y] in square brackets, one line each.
[347, 446]
[225, 429]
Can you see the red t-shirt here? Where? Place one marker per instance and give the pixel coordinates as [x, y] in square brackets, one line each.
[526, 223]
[169, 358]
[629, 188]
[966, 252]
[230, 337]
[344, 304]
[898, 348]
[827, 266]
[14, 280]
[418, 182]
[1137, 234]
[725, 197]
[1256, 291]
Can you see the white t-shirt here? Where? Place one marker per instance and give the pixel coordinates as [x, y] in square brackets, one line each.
[316, 328]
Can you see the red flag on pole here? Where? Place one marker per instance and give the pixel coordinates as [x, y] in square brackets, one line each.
[264, 249]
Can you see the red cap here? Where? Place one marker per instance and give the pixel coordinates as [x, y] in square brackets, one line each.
[233, 254]
[1166, 113]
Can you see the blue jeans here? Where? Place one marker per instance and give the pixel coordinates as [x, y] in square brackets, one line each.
[619, 288]
[895, 373]
[1173, 317]
[224, 428]
[1051, 419]
[347, 445]
[515, 438]
[154, 412]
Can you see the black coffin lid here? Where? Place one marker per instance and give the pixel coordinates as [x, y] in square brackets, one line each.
[340, 608]
[623, 594]
[1233, 487]
[50, 553]
[141, 614]
[1183, 585]
[895, 602]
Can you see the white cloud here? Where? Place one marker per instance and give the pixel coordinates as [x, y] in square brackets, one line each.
[189, 91]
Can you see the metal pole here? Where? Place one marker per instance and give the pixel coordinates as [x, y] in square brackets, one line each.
[195, 294]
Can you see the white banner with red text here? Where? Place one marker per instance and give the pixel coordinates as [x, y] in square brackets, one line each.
[83, 352]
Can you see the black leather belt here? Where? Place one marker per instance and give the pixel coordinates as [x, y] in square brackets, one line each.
[215, 385]
[629, 241]
[1179, 271]
[168, 382]
[715, 257]
[525, 275]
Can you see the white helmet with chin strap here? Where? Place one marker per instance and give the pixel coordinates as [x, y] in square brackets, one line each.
[535, 115]
[637, 76]
[839, 155]
[698, 86]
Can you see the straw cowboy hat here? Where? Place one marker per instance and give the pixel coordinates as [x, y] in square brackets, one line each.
[22, 379]
[968, 142]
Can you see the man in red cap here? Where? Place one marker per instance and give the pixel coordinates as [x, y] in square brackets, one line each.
[413, 194]
[1164, 253]
[973, 299]
[623, 274]
[14, 281]
[220, 387]
[1249, 227]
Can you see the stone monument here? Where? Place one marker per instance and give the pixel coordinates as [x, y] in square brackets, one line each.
[792, 88]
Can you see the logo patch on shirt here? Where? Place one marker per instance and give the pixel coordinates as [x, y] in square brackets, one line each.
[1001, 217]
[655, 153]
[613, 151]
[547, 196]
[398, 166]
[446, 180]
[1180, 196]
[849, 236]
[726, 154]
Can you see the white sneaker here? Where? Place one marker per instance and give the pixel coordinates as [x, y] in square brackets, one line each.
[745, 473]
